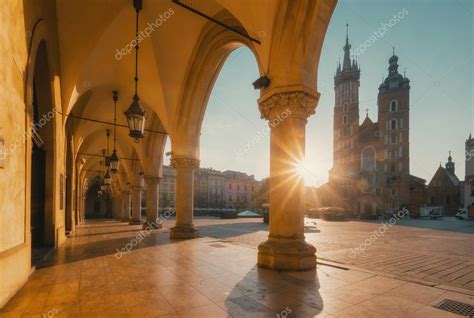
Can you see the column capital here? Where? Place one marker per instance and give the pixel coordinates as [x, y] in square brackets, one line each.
[183, 162]
[152, 179]
[281, 103]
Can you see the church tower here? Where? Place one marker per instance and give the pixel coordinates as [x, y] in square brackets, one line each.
[393, 120]
[346, 118]
[450, 164]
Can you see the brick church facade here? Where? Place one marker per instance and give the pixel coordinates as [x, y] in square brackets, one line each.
[371, 166]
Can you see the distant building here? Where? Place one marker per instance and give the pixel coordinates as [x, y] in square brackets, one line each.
[239, 190]
[469, 174]
[212, 189]
[168, 187]
[371, 167]
[444, 188]
[208, 188]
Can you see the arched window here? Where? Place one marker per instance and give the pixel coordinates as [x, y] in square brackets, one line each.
[368, 159]
[345, 108]
[393, 124]
[393, 106]
[345, 119]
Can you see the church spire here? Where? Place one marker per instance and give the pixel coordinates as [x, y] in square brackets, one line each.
[347, 51]
[450, 164]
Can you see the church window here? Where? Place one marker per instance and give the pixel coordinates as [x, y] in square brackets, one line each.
[401, 135]
[368, 159]
[400, 152]
[393, 168]
[346, 108]
[346, 91]
[401, 123]
[393, 139]
[345, 119]
[354, 92]
[351, 131]
[393, 124]
[393, 106]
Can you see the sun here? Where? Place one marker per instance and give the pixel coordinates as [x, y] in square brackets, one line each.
[302, 168]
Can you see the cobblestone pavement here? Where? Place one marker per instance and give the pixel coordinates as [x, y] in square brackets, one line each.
[404, 250]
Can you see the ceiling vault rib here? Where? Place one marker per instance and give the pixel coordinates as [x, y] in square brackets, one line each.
[109, 123]
[216, 21]
[96, 155]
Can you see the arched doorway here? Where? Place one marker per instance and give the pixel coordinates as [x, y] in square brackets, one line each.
[42, 159]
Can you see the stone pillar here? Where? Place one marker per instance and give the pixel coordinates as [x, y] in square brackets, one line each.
[184, 228]
[116, 205]
[152, 203]
[287, 112]
[126, 203]
[137, 201]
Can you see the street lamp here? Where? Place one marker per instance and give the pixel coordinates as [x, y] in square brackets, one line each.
[114, 159]
[135, 113]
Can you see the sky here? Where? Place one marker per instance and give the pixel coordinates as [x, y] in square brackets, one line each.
[434, 43]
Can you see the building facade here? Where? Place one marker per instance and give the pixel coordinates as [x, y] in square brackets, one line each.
[444, 189]
[371, 167]
[212, 189]
[209, 188]
[469, 174]
[239, 190]
[168, 187]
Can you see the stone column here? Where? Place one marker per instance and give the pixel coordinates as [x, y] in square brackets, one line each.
[126, 203]
[152, 203]
[184, 228]
[137, 201]
[287, 112]
[117, 206]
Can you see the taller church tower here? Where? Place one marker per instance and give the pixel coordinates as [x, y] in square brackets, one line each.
[346, 122]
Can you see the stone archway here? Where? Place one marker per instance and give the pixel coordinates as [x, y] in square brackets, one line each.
[42, 171]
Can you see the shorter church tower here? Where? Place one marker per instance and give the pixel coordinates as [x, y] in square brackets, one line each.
[393, 118]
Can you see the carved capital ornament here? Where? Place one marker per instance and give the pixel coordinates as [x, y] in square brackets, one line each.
[182, 162]
[298, 104]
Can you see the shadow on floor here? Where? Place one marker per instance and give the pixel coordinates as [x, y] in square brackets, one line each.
[265, 293]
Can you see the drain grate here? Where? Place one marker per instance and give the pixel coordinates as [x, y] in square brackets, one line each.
[456, 307]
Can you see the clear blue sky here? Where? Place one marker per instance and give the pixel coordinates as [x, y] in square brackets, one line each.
[434, 42]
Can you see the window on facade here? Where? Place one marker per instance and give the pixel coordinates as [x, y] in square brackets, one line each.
[393, 124]
[368, 159]
[345, 108]
[346, 91]
[393, 106]
[393, 139]
[393, 168]
[345, 119]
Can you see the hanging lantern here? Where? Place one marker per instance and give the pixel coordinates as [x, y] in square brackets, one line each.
[114, 159]
[107, 179]
[136, 119]
[114, 162]
[135, 113]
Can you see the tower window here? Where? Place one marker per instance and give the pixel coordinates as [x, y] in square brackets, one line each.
[345, 108]
[393, 106]
[345, 119]
[393, 124]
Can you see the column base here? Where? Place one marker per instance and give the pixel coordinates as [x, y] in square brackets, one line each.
[183, 232]
[152, 225]
[286, 255]
[135, 222]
